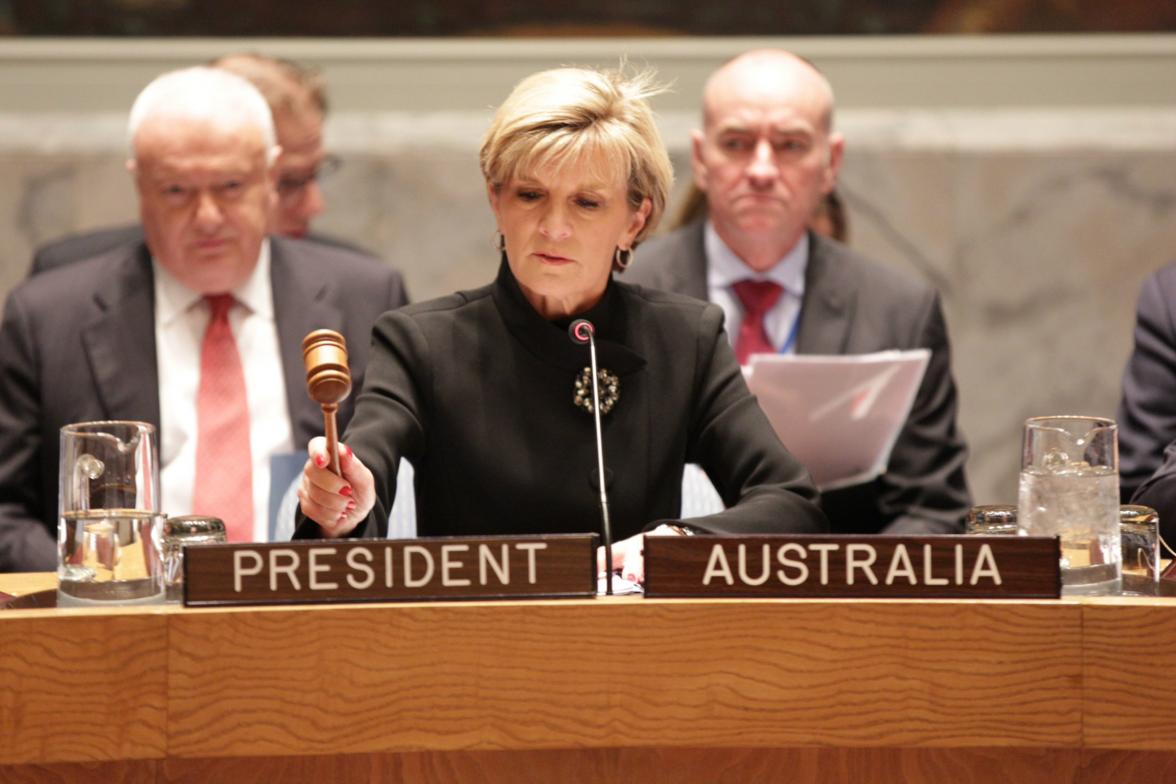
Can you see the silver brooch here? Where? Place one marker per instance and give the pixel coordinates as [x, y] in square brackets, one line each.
[609, 387]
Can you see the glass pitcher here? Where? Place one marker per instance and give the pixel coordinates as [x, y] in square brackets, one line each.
[109, 525]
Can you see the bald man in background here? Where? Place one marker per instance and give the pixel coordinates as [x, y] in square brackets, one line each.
[297, 98]
[766, 156]
[206, 308]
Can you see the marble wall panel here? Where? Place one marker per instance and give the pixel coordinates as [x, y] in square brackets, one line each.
[1037, 235]
[1039, 256]
[46, 195]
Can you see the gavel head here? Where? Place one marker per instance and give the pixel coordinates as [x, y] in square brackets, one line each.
[328, 378]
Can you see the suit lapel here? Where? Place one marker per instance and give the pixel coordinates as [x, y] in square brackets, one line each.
[300, 306]
[119, 342]
[829, 296]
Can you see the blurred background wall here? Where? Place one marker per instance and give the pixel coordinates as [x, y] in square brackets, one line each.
[1032, 178]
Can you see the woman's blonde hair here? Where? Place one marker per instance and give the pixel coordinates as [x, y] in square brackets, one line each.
[562, 114]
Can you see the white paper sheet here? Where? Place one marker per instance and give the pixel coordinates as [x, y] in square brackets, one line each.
[839, 415]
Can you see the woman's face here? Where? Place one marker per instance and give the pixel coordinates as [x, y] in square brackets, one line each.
[562, 225]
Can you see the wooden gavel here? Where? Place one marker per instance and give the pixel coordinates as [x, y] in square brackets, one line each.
[328, 382]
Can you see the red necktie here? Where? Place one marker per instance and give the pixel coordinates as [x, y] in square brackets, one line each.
[224, 463]
[758, 297]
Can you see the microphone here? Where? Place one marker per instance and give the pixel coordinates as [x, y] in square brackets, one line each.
[582, 332]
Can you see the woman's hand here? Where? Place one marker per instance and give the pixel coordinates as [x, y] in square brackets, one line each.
[337, 504]
[629, 554]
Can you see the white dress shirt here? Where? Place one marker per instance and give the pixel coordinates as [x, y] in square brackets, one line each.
[725, 269]
[181, 317]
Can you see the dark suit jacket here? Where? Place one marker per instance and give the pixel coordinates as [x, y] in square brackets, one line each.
[1159, 492]
[78, 344]
[476, 391]
[84, 245]
[855, 306]
[1147, 412]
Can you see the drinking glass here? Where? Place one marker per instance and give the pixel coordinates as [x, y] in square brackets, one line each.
[109, 529]
[1139, 529]
[992, 520]
[181, 532]
[1070, 488]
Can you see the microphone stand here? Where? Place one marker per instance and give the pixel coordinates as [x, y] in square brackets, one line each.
[578, 330]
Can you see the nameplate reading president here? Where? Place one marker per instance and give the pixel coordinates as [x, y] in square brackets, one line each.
[548, 566]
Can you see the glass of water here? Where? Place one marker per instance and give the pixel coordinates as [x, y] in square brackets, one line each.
[109, 530]
[1070, 488]
[1139, 529]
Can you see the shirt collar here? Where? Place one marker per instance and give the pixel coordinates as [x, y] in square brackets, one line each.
[256, 293]
[173, 299]
[725, 268]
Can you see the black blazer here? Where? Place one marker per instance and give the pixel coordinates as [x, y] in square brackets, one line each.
[1147, 411]
[853, 305]
[1159, 492]
[78, 344]
[476, 390]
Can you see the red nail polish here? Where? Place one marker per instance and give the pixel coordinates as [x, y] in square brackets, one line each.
[320, 461]
[350, 454]
[345, 490]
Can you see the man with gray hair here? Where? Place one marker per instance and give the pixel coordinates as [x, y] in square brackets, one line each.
[298, 101]
[197, 330]
[765, 157]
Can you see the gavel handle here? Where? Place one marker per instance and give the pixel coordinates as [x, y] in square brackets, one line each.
[331, 430]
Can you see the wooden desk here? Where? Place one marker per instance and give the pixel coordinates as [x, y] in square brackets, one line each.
[29, 582]
[593, 690]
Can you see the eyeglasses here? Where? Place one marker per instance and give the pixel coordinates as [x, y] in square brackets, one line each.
[293, 186]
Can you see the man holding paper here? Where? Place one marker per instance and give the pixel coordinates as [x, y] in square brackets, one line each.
[765, 157]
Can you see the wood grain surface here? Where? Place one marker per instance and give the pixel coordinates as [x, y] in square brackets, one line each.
[603, 690]
[656, 766]
[649, 766]
[125, 772]
[82, 686]
[1127, 767]
[592, 766]
[1130, 660]
[20, 583]
[624, 673]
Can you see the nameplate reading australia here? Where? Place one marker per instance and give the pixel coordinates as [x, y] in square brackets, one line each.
[924, 567]
[381, 570]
